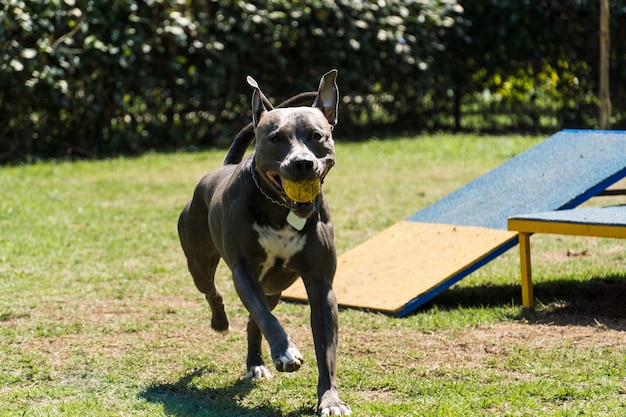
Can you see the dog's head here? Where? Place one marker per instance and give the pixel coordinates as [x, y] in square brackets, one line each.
[295, 143]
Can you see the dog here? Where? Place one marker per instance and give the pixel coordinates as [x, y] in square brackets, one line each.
[241, 213]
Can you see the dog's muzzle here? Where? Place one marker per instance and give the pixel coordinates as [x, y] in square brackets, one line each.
[297, 196]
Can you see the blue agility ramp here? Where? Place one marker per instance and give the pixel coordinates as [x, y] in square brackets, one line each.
[416, 259]
[559, 173]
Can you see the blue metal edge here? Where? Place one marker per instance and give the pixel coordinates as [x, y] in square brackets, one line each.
[600, 132]
[594, 191]
[435, 291]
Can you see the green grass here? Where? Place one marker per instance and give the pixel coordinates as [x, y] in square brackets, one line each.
[99, 317]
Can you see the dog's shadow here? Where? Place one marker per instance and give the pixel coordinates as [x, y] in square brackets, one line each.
[183, 398]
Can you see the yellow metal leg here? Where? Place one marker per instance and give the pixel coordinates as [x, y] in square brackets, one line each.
[528, 300]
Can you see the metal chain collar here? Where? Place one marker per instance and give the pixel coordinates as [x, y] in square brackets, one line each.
[256, 182]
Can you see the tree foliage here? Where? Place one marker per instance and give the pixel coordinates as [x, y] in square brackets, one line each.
[98, 77]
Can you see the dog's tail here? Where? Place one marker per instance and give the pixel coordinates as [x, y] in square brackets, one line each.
[246, 135]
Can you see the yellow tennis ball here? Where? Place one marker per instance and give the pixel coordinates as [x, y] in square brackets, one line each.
[302, 191]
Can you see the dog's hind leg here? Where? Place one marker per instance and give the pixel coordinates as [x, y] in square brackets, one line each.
[254, 362]
[202, 269]
[202, 260]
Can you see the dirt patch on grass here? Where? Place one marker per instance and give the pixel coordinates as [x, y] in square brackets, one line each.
[471, 348]
[162, 333]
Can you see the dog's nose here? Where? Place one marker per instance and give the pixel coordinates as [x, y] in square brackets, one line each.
[303, 165]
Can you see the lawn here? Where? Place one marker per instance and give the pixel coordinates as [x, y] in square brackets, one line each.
[99, 316]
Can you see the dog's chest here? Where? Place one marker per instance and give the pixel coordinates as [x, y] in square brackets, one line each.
[279, 245]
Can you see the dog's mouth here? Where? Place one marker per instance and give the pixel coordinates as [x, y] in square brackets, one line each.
[300, 208]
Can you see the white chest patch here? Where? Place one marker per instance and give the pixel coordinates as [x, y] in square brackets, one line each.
[278, 244]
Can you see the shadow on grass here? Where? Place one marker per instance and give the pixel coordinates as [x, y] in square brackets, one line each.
[183, 398]
[561, 301]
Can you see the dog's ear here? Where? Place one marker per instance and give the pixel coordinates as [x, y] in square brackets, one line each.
[328, 96]
[260, 103]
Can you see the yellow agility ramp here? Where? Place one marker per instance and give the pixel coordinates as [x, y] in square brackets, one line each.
[372, 275]
[416, 259]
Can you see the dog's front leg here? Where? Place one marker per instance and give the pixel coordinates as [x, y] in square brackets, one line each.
[285, 355]
[324, 323]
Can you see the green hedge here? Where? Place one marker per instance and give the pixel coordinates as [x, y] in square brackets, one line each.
[100, 77]
[106, 76]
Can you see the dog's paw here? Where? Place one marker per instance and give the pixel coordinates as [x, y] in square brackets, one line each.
[220, 324]
[341, 410]
[258, 372]
[221, 330]
[289, 361]
[331, 405]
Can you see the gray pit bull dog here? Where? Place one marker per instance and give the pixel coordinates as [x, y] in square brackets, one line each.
[242, 214]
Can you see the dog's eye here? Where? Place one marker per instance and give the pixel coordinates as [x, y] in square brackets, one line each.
[274, 138]
[317, 136]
